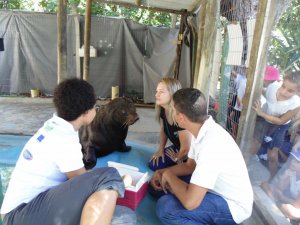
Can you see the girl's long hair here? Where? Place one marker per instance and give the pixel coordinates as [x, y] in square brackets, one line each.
[172, 85]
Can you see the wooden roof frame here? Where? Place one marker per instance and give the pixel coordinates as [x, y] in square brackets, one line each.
[144, 7]
[140, 4]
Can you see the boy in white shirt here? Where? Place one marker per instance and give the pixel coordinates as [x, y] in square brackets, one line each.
[219, 191]
[49, 184]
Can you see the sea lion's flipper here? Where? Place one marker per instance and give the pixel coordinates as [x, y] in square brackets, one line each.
[124, 148]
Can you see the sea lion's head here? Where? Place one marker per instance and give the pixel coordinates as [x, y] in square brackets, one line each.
[123, 111]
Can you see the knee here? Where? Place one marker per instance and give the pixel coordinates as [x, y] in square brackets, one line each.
[158, 166]
[273, 155]
[152, 166]
[106, 178]
[164, 208]
[100, 197]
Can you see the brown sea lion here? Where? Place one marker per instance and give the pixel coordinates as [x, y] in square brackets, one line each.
[108, 130]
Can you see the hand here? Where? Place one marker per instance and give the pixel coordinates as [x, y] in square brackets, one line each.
[156, 180]
[172, 154]
[155, 157]
[239, 103]
[177, 157]
[257, 108]
[164, 181]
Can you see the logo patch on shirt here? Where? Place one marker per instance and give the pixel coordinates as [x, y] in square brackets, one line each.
[27, 155]
[40, 138]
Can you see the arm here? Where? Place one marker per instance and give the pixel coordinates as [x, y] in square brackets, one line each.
[162, 139]
[185, 138]
[75, 173]
[162, 143]
[190, 195]
[182, 169]
[239, 101]
[283, 184]
[274, 119]
[241, 92]
[279, 188]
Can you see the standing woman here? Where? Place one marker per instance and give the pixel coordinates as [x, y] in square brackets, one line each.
[180, 138]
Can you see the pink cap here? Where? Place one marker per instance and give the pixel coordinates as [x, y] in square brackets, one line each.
[272, 73]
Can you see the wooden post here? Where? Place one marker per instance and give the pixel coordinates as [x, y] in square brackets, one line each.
[77, 46]
[87, 40]
[246, 129]
[208, 45]
[173, 20]
[61, 40]
[255, 75]
[76, 19]
[201, 22]
[179, 45]
[216, 65]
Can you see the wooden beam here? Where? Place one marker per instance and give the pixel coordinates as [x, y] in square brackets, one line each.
[173, 20]
[204, 72]
[248, 116]
[257, 63]
[201, 22]
[144, 7]
[77, 46]
[61, 40]
[179, 45]
[87, 40]
[138, 2]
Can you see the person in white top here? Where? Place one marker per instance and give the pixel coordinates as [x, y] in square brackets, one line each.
[240, 92]
[219, 191]
[273, 117]
[49, 184]
[271, 75]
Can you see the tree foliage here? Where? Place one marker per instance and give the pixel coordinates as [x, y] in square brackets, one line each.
[284, 50]
[143, 16]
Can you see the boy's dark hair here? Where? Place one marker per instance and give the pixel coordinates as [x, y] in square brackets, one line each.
[73, 97]
[192, 103]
